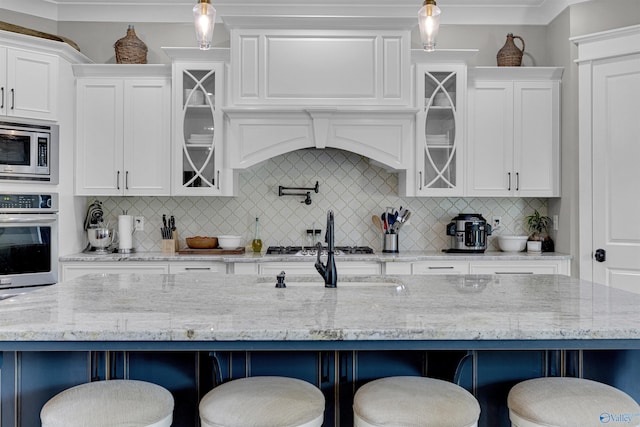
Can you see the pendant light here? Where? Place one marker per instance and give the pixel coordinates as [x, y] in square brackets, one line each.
[205, 18]
[429, 20]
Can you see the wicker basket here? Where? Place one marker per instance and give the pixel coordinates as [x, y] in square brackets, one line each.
[510, 55]
[130, 49]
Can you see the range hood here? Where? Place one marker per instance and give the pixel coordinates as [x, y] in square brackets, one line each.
[302, 82]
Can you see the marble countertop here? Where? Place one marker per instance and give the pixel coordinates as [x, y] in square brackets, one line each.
[213, 308]
[411, 256]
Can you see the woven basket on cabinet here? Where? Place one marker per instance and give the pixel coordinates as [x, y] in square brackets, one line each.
[510, 55]
[130, 49]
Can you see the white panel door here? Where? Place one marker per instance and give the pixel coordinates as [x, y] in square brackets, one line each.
[490, 147]
[147, 137]
[99, 169]
[616, 175]
[536, 148]
[33, 84]
[4, 90]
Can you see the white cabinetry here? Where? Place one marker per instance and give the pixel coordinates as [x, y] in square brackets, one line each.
[197, 267]
[298, 84]
[520, 267]
[299, 61]
[123, 130]
[440, 87]
[480, 266]
[514, 132]
[71, 270]
[28, 84]
[199, 167]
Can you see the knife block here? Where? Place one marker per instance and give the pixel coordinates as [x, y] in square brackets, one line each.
[169, 246]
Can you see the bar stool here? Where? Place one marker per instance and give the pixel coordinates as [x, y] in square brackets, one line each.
[263, 401]
[414, 401]
[110, 403]
[559, 402]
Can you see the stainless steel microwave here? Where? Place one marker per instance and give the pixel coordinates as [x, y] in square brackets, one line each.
[29, 151]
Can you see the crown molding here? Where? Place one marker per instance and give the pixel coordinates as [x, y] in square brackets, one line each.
[454, 12]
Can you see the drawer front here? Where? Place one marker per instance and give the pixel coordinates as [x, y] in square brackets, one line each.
[516, 268]
[440, 267]
[71, 271]
[198, 267]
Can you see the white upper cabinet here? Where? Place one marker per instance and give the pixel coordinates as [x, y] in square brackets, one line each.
[514, 132]
[301, 62]
[123, 129]
[198, 144]
[28, 84]
[440, 96]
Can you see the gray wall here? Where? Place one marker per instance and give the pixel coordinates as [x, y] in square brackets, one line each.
[601, 15]
[96, 39]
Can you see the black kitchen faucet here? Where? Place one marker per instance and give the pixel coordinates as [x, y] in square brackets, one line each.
[328, 271]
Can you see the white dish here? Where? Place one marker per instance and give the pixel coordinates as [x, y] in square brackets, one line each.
[508, 243]
[229, 242]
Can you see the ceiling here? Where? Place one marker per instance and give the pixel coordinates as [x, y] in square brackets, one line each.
[467, 12]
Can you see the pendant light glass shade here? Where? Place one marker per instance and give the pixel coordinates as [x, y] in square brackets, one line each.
[205, 18]
[429, 20]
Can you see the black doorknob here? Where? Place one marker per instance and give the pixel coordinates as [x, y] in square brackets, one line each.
[600, 255]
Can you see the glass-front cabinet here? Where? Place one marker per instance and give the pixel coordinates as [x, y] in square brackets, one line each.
[199, 87]
[440, 129]
[197, 129]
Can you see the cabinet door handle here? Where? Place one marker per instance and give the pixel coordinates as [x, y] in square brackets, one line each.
[2, 105]
[509, 185]
[420, 180]
[118, 180]
[517, 181]
[126, 180]
[218, 180]
[13, 98]
[600, 255]
[197, 268]
[442, 268]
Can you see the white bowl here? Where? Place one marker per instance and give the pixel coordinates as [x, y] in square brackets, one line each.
[229, 242]
[509, 243]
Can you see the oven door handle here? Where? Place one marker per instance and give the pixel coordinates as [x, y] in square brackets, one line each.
[17, 220]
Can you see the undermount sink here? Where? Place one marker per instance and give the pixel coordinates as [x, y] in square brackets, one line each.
[343, 282]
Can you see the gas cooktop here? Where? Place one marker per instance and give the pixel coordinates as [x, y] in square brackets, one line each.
[312, 250]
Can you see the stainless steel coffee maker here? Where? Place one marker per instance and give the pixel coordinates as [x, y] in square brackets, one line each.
[468, 233]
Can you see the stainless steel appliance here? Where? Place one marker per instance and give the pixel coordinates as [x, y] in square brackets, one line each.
[28, 240]
[468, 233]
[29, 151]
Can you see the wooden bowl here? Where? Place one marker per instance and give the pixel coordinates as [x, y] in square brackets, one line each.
[200, 242]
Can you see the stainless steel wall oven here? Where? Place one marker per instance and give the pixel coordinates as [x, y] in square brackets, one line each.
[28, 240]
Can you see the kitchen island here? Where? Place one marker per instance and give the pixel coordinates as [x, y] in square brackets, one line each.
[499, 329]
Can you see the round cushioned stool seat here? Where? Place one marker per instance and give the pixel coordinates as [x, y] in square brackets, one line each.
[110, 403]
[564, 402]
[263, 401]
[414, 401]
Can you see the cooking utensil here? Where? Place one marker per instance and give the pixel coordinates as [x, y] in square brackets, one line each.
[378, 223]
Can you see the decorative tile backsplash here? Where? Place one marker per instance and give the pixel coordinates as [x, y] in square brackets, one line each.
[349, 185]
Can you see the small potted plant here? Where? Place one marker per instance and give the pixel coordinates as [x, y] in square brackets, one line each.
[538, 226]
